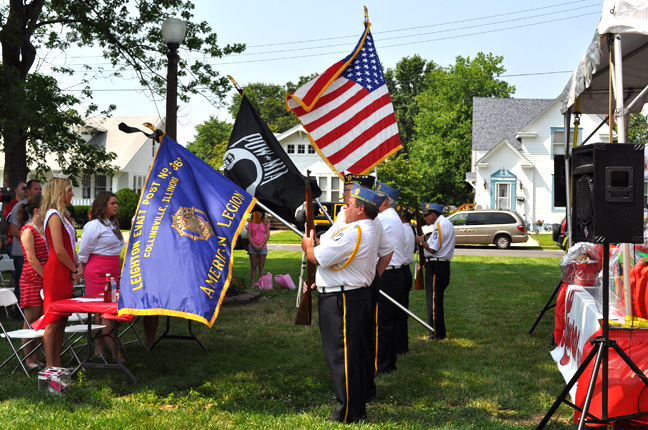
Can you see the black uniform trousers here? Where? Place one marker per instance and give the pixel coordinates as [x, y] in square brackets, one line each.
[402, 341]
[391, 282]
[437, 279]
[370, 340]
[343, 318]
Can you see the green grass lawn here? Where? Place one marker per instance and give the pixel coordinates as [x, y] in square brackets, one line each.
[263, 372]
[545, 240]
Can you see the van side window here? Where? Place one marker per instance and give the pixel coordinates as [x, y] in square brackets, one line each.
[459, 219]
[502, 218]
[476, 219]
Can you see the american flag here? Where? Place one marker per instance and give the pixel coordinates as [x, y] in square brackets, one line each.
[348, 112]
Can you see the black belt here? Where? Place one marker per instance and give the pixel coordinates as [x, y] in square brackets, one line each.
[392, 267]
[427, 259]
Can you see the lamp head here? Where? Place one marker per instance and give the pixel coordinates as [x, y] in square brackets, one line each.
[173, 32]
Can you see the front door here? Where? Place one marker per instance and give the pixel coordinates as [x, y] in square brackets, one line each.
[503, 195]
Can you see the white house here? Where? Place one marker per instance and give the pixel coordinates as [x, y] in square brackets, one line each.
[300, 150]
[513, 145]
[135, 153]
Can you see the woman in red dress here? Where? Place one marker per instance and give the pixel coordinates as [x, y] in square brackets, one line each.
[62, 268]
[31, 281]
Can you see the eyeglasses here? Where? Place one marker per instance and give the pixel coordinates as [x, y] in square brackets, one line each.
[22, 188]
[426, 214]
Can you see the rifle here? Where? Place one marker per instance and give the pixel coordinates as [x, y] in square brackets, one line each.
[419, 283]
[305, 306]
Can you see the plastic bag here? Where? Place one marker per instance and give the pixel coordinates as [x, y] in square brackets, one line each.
[265, 281]
[285, 281]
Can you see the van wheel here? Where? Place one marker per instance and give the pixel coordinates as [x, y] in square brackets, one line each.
[502, 241]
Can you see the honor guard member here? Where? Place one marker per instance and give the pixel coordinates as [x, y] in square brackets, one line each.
[385, 251]
[438, 250]
[346, 268]
[391, 281]
[406, 214]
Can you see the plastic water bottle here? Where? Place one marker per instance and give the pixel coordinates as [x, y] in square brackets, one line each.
[113, 289]
[107, 288]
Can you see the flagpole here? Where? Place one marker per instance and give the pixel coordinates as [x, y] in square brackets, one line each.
[283, 221]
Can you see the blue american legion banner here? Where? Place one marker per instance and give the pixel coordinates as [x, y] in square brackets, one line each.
[179, 256]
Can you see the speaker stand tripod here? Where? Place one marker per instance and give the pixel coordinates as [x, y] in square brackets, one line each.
[601, 352]
[548, 306]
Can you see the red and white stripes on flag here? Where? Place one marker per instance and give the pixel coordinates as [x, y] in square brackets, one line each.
[348, 113]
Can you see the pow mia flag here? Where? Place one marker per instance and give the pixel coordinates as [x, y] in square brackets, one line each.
[255, 161]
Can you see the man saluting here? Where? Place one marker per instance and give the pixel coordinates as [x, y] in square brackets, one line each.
[346, 267]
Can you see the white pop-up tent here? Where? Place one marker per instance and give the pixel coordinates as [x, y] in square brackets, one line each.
[612, 79]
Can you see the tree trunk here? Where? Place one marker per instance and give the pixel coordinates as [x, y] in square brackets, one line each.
[18, 55]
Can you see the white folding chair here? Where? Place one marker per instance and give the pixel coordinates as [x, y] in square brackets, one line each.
[8, 298]
[6, 265]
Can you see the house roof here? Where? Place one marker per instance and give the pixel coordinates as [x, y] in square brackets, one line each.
[495, 119]
[104, 132]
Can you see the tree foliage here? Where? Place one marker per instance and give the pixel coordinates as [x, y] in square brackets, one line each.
[405, 83]
[637, 128]
[127, 200]
[211, 141]
[441, 151]
[269, 101]
[37, 115]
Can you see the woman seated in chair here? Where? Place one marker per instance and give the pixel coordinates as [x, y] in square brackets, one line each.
[101, 245]
[31, 280]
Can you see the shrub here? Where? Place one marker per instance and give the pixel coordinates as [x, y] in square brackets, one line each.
[127, 200]
[80, 214]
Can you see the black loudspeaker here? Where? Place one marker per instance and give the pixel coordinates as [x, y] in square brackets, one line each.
[559, 186]
[607, 193]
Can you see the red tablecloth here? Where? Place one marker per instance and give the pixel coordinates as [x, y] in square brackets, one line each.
[84, 304]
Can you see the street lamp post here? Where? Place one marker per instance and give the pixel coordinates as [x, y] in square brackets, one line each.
[173, 33]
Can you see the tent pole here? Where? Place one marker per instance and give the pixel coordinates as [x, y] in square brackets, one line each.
[568, 177]
[621, 117]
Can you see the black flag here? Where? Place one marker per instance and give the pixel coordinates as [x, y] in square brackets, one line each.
[255, 161]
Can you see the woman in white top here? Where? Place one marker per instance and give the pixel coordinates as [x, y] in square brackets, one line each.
[101, 245]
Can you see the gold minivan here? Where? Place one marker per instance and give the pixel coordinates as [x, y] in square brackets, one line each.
[488, 226]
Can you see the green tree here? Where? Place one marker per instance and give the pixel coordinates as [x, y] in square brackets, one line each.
[405, 83]
[401, 172]
[442, 149]
[269, 101]
[637, 128]
[211, 141]
[36, 114]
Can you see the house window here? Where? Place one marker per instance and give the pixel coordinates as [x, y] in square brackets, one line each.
[290, 149]
[558, 140]
[138, 181]
[323, 184]
[301, 149]
[311, 150]
[100, 184]
[335, 189]
[85, 186]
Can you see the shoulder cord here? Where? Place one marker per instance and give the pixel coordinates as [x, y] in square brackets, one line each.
[355, 250]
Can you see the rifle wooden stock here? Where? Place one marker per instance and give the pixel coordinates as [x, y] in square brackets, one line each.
[419, 283]
[305, 310]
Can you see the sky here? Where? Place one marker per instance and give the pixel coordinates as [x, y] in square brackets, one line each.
[541, 43]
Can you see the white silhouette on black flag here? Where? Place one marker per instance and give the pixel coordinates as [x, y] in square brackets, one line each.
[255, 161]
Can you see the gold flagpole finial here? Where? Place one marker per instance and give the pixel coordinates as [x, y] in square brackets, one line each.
[366, 14]
[236, 85]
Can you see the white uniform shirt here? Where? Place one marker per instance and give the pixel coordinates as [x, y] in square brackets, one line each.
[442, 239]
[409, 249]
[348, 258]
[99, 239]
[393, 229]
[385, 246]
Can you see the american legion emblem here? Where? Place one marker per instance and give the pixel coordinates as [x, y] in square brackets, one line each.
[192, 222]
